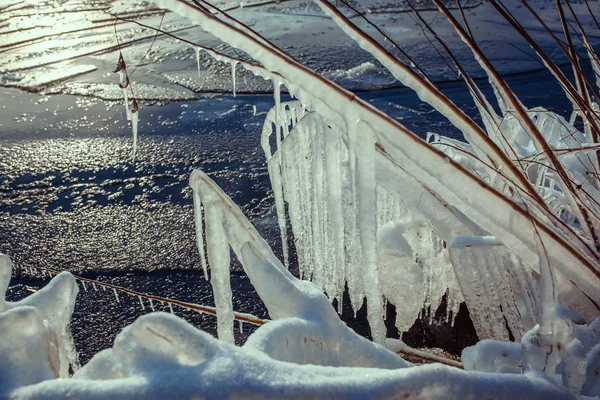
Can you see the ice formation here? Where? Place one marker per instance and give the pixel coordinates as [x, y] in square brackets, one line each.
[311, 170]
[161, 356]
[283, 295]
[130, 112]
[233, 65]
[458, 204]
[197, 51]
[134, 127]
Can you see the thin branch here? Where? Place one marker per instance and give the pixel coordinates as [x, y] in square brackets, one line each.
[151, 44]
[389, 39]
[249, 318]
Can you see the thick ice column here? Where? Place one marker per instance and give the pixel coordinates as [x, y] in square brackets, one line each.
[366, 195]
[233, 65]
[219, 260]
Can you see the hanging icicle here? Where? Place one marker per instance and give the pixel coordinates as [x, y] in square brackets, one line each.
[197, 50]
[134, 127]
[233, 65]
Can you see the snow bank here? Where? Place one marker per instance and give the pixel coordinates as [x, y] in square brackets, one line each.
[160, 356]
[36, 340]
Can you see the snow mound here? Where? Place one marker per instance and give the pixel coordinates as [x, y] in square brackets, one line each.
[36, 341]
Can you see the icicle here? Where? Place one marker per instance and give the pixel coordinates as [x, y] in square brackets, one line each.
[103, 288]
[83, 286]
[254, 110]
[277, 97]
[170, 308]
[233, 65]
[241, 323]
[116, 295]
[134, 126]
[197, 50]
[94, 286]
[199, 233]
[274, 167]
[352, 248]
[219, 260]
[126, 99]
[151, 305]
[319, 217]
[142, 303]
[367, 223]
[333, 182]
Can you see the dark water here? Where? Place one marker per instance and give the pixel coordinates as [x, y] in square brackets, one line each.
[72, 199]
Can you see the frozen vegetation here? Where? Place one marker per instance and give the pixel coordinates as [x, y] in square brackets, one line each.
[505, 220]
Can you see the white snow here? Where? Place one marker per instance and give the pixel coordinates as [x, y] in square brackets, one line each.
[36, 340]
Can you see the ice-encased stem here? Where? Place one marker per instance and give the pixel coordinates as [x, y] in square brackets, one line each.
[219, 260]
[366, 195]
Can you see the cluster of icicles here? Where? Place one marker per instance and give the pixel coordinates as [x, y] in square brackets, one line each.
[356, 226]
[330, 181]
[330, 176]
